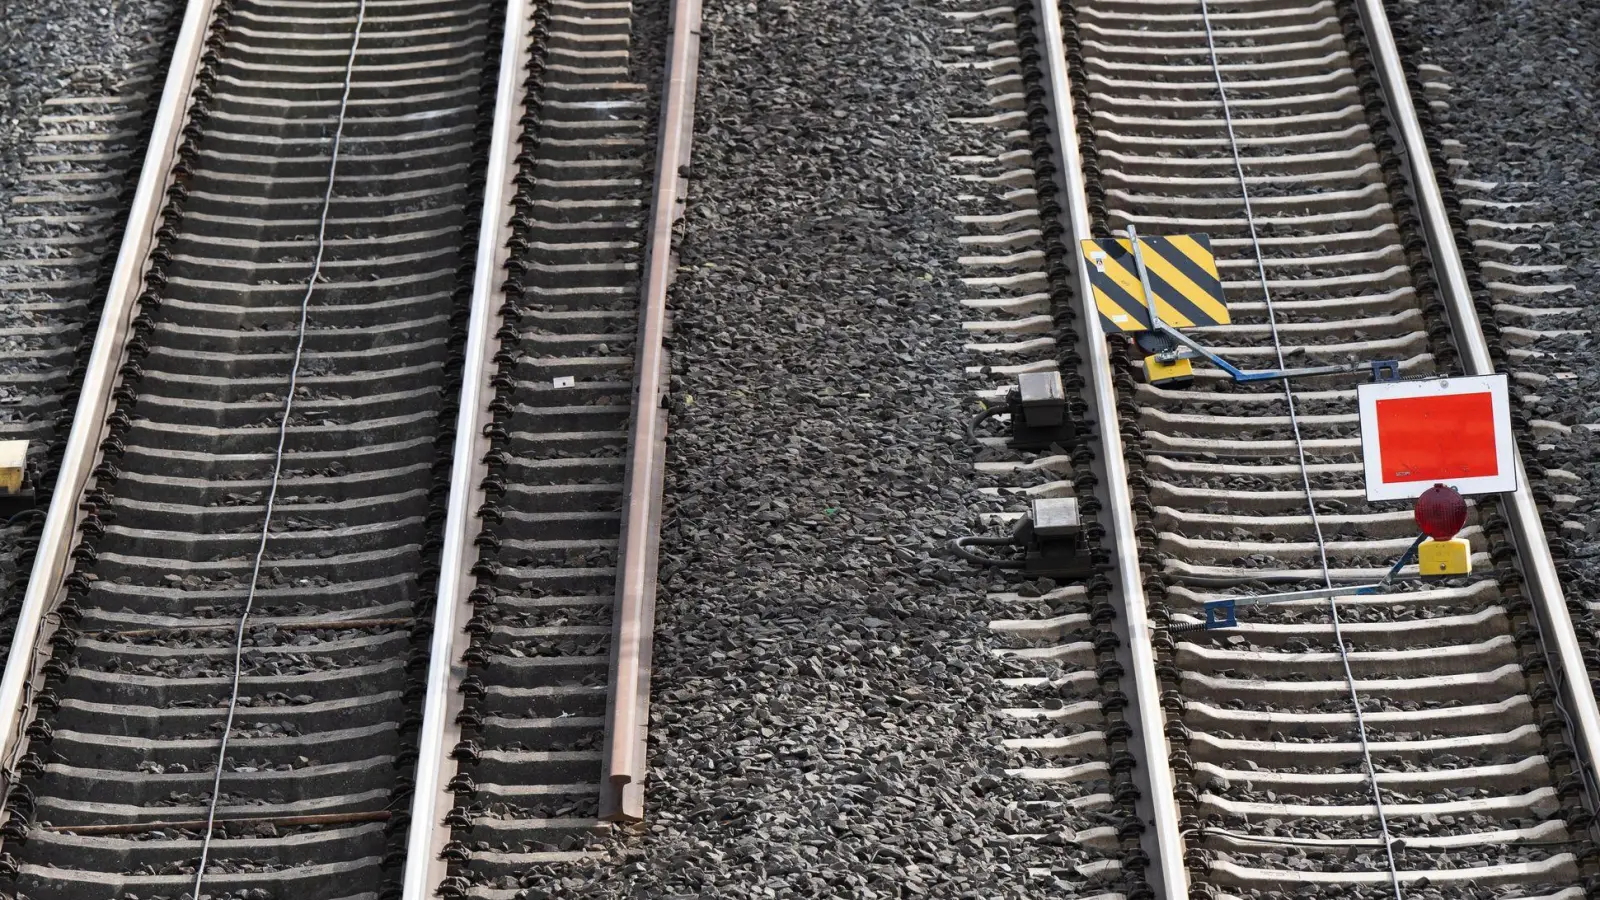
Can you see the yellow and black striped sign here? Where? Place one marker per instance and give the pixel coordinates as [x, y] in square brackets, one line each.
[1183, 276]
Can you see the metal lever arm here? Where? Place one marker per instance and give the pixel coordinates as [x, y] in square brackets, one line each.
[1159, 325]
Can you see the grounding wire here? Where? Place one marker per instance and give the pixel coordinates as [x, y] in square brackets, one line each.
[1305, 473]
[283, 436]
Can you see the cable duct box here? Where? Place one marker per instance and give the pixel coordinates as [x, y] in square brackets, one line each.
[1039, 412]
[16, 489]
[1054, 540]
[13, 465]
[1042, 399]
[1056, 517]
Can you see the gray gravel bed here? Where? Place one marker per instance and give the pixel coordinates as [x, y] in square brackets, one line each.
[825, 716]
[51, 50]
[1525, 103]
[48, 46]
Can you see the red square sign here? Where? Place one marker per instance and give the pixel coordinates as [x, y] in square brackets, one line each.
[1452, 431]
[1435, 439]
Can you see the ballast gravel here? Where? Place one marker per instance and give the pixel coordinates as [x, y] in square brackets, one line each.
[50, 47]
[1525, 104]
[54, 50]
[824, 715]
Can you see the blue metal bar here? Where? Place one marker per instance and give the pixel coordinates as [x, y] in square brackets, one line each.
[1405, 557]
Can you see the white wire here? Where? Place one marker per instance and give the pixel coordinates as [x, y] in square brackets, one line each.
[1305, 474]
[283, 436]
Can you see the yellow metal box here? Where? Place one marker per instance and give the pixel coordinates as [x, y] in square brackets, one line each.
[13, 459]
[1158, 372]
[1439, 558]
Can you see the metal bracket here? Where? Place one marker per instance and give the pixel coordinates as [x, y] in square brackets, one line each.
[1385, 370]
[1221, 613]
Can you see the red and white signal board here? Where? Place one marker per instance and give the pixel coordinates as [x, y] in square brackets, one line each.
[1451, 431]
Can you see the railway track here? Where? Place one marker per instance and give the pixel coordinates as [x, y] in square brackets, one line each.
[222, 708]
[229, 660]
[347, 588]
[540, 733]
[60, 231]
[1369, 745]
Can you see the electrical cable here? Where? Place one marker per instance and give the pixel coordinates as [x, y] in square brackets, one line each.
[1305, 474]
[959, 545]
[283, 435]
[979, 419]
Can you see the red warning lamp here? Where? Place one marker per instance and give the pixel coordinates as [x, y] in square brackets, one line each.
[1441, 511]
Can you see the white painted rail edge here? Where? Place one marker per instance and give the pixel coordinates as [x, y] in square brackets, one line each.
[1170, 877]
[100, 379]
[1534, 559]
[426, 832]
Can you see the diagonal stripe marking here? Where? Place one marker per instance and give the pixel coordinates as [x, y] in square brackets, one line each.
[1194, 256]
[1207, 307]
[1119, 311]
[1129, 282]
[1113, 315]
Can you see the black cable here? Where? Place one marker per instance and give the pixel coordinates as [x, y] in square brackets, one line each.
[25, 514]
[972, 426]
[959, 545]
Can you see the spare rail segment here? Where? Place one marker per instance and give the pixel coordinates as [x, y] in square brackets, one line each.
[45, 582]
[628, 709]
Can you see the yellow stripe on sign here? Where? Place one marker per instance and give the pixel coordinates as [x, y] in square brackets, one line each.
[1191, 248]
[1115, 313]
[1202, 298]
[1204, 257]
[1129, 282]
[1103, 285]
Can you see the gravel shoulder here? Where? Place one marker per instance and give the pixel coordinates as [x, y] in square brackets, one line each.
[824, 701]
[58, 51]
[50, 46]
[1525, 104]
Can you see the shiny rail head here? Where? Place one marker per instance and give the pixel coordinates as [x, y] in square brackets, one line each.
[1534, 559]
[428, 833]
[1163, 842]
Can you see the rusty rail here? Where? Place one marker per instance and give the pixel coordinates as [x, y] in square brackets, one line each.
[628, 707]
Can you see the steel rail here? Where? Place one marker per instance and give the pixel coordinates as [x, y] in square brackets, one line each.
[45, 582]
[426, 832]
[633, 622]
[1527, 532]
[1170, 873]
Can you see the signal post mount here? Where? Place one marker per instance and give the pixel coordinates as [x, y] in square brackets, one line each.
[1432, 440]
